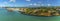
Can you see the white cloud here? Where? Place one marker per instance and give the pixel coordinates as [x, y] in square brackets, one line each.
[42, 4]
[28, 0]
[12, 0]
[49, 4]
[2, 6]
[30, 4]
[34, 4]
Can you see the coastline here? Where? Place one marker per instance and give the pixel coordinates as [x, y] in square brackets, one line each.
[37, 11]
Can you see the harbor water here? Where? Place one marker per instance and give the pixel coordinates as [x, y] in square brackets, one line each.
[17, 16]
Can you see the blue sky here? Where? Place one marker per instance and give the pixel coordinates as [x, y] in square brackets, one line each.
[19, 3]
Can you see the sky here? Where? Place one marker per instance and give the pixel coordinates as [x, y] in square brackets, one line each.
[22, 3]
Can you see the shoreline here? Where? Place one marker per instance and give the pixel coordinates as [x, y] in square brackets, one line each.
[37, 11]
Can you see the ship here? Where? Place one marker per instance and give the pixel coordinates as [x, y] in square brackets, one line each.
[40, 11]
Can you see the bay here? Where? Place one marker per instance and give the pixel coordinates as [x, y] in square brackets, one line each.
[17, 16]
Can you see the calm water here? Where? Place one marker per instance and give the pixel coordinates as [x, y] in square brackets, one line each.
[16, 16]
